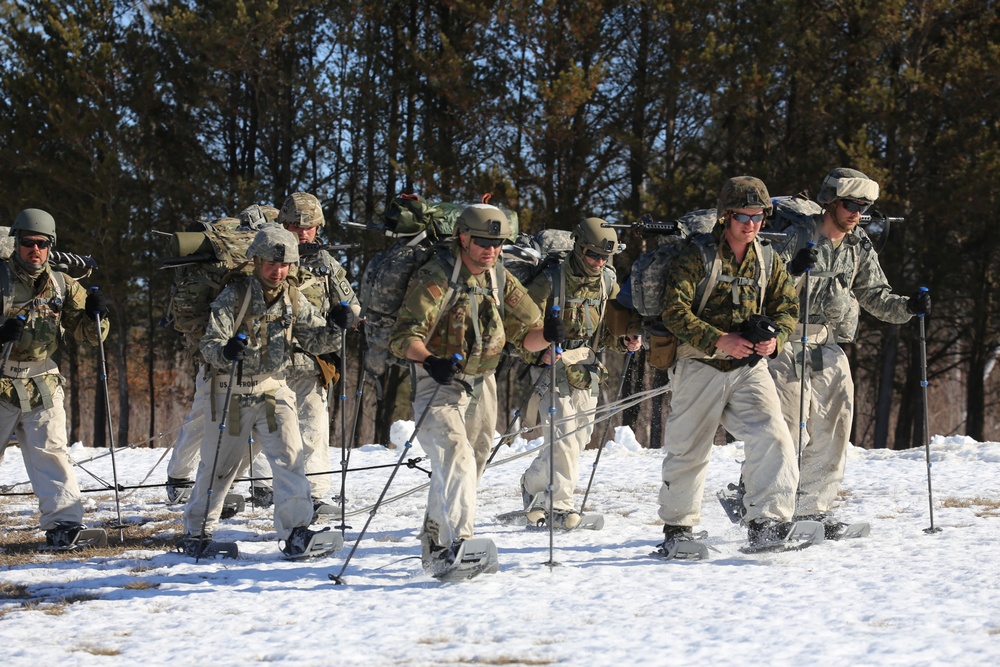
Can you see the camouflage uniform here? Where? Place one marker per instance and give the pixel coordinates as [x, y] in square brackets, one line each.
[454, 436]
[266, 411]
[31, 389]
[711, 388]
[323, 281]
[844, 277]
[583, 300]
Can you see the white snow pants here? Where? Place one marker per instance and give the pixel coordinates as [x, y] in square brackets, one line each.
[450, 433]
[282, 447]
[572, 435]
[184, 459]
[828, 412]
[41, 435]
[745, 402]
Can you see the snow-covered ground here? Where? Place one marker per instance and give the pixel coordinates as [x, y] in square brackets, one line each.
[899, 597]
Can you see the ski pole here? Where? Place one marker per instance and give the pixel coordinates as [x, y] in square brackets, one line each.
[339, 577]
[202, 540]
[805, 345]
[343, 419]
[927, 425]
[607, 427]
[345, 460]
[102, 361]
[554, 350]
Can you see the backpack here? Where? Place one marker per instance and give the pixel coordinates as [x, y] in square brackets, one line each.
[529, 255]
[204, 263]
[789, 214]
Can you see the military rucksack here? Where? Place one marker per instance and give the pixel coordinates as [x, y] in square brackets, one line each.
[530, 254]
[204, 263]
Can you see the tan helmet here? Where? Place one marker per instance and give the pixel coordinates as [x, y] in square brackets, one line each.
[34, 221]
[255, 216]
[274, 243]
[483, 220]
[302, 210]
[591, 234]
[744, 192]
[844, 183]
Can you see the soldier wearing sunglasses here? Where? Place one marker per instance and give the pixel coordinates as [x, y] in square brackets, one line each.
[844, 273]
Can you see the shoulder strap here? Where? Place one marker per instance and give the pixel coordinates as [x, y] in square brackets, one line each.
[6, 289]
[456, 269]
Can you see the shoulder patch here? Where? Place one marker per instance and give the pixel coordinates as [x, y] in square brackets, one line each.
[435, 290]
[515, 297]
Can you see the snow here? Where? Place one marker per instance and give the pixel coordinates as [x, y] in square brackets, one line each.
[899, 597]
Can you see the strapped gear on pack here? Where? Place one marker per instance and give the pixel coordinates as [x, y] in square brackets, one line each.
[255, 216]
[529, 255]
[845, 183]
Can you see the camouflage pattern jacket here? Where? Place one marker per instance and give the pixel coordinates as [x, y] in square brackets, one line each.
[583, 302]
[323, 282]
[477, 330]
[48, 316]
[845, 276]
[269, 329]
[720, 315]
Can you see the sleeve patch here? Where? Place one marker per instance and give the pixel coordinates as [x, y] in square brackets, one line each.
[435, 291]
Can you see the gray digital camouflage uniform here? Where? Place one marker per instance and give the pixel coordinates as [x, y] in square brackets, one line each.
[453, 435]
[711, 388]
[262, 405]
[844, 277]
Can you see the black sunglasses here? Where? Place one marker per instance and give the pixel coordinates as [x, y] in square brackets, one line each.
[487, 243]
[852, 206]
[41, 244]
[744, 218]
[596, 255]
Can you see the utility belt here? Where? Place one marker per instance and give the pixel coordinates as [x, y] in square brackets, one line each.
[818, 334]
[30, 369]
[262, 385]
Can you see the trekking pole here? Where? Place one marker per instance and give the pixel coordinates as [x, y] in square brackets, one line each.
[102, 361]
[343, 419]
[339, 577]
[607, 427]
[805, 344]
[554, 350]
[345, 459]
[9, 347]
[927, 425]
[202, 540]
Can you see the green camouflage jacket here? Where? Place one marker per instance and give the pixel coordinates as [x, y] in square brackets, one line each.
[47, 321]
[269, 329]
[322, 281]
[720, 316]
[844, 277]
[456, 331]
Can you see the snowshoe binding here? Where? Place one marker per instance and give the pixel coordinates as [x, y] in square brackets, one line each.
[203, 546]
[681, 543]
[463, 560]
[731, 499]
[838, 530]
[304, 543]
[232, 505]
[772, 535]
[322, 508]
[178, 490]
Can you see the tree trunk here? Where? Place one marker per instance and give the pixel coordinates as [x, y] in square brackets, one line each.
[883, 406]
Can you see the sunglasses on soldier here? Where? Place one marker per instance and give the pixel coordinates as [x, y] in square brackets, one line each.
[483, 242]
[596, 255]
[745, 218]
[41, 244]
[852, 206]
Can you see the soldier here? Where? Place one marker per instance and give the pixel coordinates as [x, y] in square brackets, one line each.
[462, 302]
[844, 272]
[31, 393]
[269, 313]
[581, 286]
[713, 380]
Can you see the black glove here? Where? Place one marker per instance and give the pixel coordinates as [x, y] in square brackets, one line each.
[442, 370]
[757, 329]
[95, 304]
[235, 349]
[920, 303]
[804, 260]
[341, 315]
[11, 330]
[553, 329]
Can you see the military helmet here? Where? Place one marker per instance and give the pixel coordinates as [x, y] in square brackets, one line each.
[483, 220]
[34, 221]
[592, 235]
[255, 216]
[302, 210]
[844, 183]
[274, 243]
[744, 192]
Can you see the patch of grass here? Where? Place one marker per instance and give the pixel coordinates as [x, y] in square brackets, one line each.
[14, 592]
[22, 547]
[139, 585]
[989, 507]
[97, 650]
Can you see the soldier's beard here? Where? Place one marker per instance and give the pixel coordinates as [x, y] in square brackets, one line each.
[30, 269]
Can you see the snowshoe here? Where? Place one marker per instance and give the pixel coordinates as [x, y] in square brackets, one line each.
[681, 543]
[771, 535]
[204, 546]
[68, 536]
[731, 499]
[465, 559]
[233, 504]
[838, 530]
[323, 508]
[304, 543]
[261, 496]
[178, 490]
[565, 519]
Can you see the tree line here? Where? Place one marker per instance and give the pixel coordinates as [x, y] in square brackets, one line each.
[129, 119]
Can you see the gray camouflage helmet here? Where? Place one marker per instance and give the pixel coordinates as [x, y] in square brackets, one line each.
[591, 234]
[255, 216]
[302, 210]
[744, 192]
[274, 243]
[483, 220]
[34, 221]
[844, 183]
